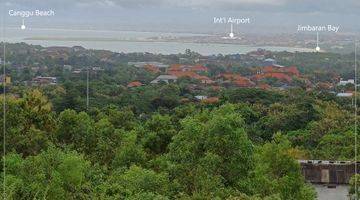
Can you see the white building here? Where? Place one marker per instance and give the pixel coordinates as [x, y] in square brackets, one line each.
[350, 81]
[200, 97]
[344, 95]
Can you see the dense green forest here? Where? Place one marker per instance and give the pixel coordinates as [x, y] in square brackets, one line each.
[243, 148]
[148, 143]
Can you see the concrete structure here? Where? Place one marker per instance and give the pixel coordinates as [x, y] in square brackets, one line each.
[6, 79]
[41, 80]
[331, 193]
[344, 94]
[200, 97]
[269, 62]
[328, 172]
[164, 78]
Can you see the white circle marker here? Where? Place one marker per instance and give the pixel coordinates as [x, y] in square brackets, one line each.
[23, 27]
[317, 42]
[231, 35]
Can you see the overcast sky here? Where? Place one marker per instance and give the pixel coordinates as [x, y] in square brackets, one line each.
[193, 15]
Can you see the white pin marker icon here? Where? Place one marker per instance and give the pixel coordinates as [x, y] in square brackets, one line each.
[23, 27]
[231, 35]
[317, 49]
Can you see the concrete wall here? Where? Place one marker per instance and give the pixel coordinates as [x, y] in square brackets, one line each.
[327, 172]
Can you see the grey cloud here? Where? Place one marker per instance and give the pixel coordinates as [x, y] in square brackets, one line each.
[291, 6]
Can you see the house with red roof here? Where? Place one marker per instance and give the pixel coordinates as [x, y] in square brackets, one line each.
[229, 76]
[134, 84]
[235, 79]
[244, 82]
[199, 68]
[205, 80]
[192, 75]
[291, 71]
[152, 68]
[181, 74]
[210, 100]
[277, 75]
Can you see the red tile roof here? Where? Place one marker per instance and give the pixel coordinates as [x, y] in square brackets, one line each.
[199, 68]
[244, 82]
[292, 71]
[193, 75]
[216, 88]
[134, 84]
[324, 85]
[238, 80]
[230, 76]
[175, 67]
[151, 68]
[210, 100]
[277, 75]
[184, 74]
[205, 80]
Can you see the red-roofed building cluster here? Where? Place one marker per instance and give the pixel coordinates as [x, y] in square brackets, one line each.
[265, 77]
[190, 71]
[235, 79]
[279, 72]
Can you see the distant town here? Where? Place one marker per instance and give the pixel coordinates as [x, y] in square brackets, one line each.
[262, 70]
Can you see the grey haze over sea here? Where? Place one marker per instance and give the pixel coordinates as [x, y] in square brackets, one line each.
[126, 41]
